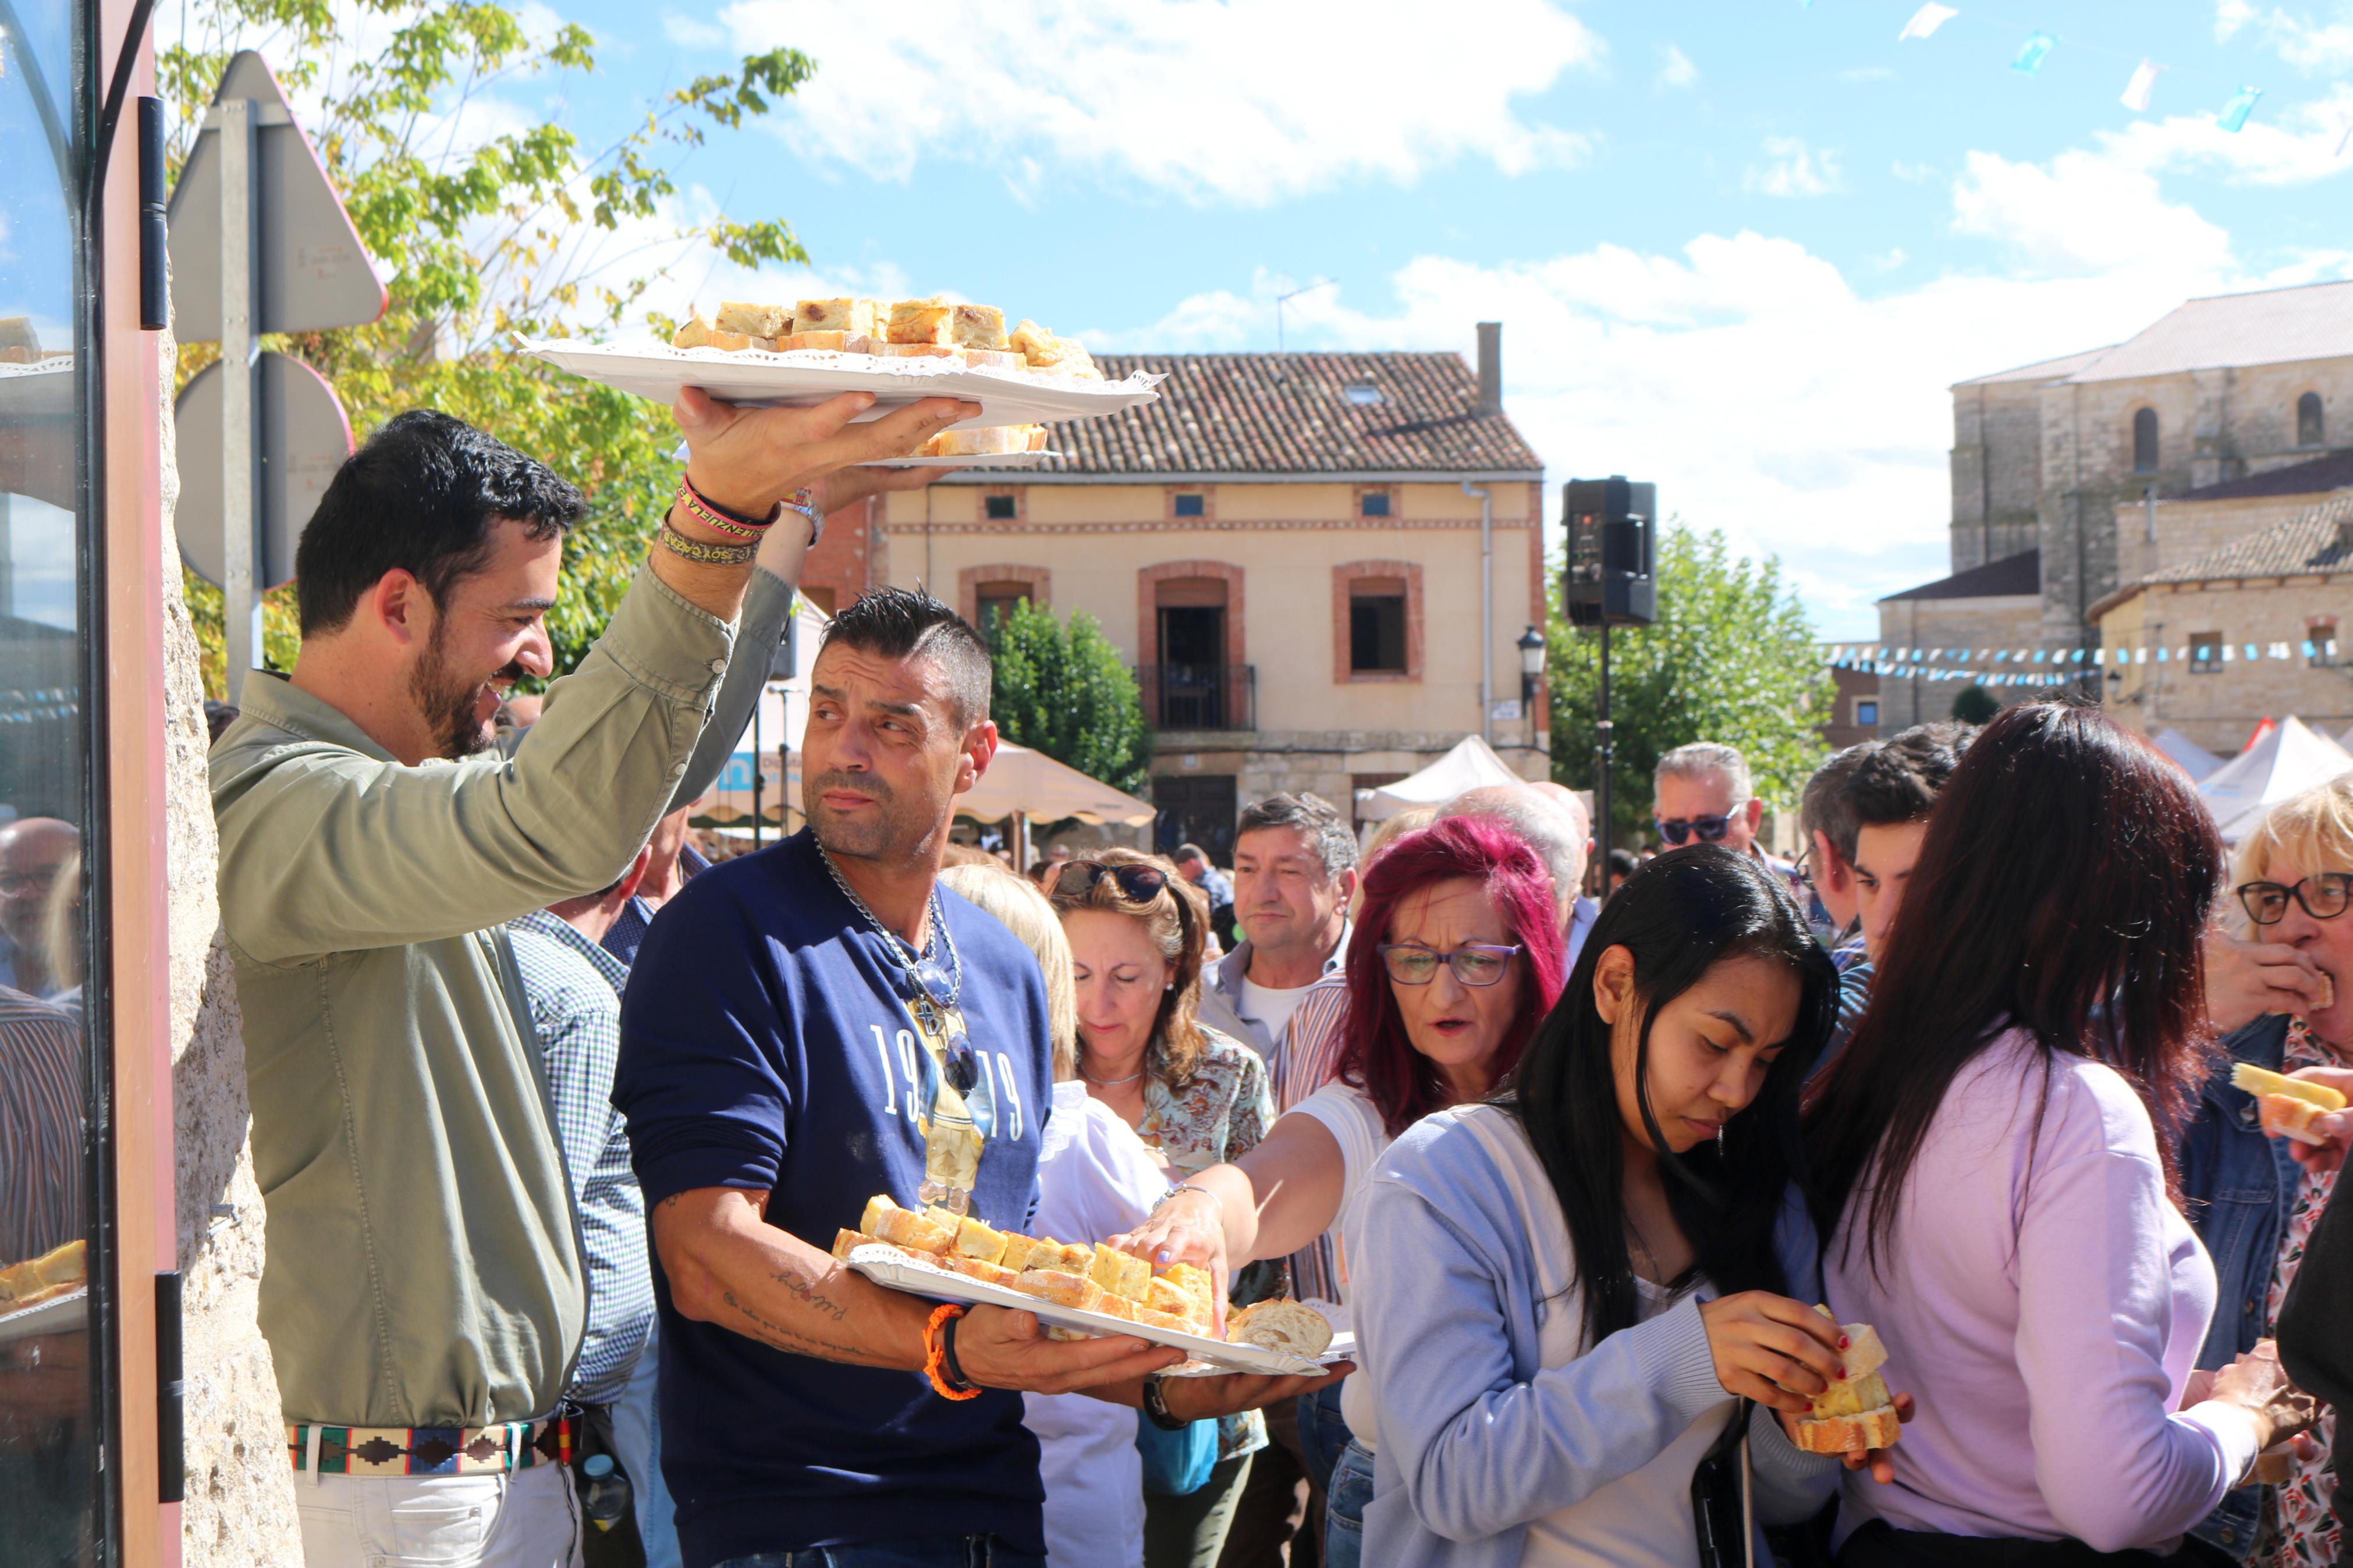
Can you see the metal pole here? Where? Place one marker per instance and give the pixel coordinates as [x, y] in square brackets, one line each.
[240, 518]
[756, 768]
[1601, 775]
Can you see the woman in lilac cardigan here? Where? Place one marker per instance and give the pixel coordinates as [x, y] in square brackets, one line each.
[1988, 1168]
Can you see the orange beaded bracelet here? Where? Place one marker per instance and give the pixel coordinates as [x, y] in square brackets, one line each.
[936, 1353]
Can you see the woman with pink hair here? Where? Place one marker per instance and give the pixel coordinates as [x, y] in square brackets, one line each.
[1455, 960]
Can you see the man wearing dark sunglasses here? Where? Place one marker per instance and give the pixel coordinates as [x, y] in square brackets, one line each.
[1701, 795]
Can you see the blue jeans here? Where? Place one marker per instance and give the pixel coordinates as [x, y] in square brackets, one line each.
[1322, 1433]
[637, 1439]
[1344, 1517]
[926, 1552]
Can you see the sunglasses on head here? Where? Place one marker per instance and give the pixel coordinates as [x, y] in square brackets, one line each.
[1678, 829]
[1137, 884]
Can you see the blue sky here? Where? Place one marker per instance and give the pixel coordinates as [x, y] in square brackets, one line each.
[1740, 247]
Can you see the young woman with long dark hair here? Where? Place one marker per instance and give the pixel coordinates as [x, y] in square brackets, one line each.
[1987, 1166]
[1561, 1295]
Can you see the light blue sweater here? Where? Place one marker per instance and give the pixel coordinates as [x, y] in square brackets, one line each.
[1477, 1437]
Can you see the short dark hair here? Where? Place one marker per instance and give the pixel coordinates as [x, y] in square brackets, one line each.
[1824, 808]
[420, 496]
[908, 623]
[1189, 852]
[1899, 782]
[1317, 817]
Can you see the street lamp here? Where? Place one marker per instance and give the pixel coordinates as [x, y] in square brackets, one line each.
[1532, 658]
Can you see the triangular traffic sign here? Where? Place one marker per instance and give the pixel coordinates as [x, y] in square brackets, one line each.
[312, 273]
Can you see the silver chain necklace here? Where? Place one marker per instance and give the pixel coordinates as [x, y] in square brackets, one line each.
[904, 951]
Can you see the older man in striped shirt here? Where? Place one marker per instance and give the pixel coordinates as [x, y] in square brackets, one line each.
[574, 987]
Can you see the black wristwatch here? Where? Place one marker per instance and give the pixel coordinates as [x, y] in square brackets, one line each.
[1156, 1407]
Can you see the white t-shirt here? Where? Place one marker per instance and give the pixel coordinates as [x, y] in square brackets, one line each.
[1344, 1110]
[1270, 1006]
[1095, 1179]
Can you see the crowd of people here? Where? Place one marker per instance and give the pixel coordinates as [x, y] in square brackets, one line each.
[556, 1122]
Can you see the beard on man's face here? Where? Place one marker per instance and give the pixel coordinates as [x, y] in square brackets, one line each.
[883, 831]
[451, 702]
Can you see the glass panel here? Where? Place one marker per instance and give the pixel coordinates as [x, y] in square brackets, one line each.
[48, 1418]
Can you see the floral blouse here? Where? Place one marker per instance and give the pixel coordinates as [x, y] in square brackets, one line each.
[1220, 1116]
[2300, 1531]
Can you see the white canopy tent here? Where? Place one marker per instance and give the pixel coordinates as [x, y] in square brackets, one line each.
[1469, 765]
[2194, 760]
[2288, 760]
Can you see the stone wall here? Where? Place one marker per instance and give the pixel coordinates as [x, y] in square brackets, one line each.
[2220, 708]
[239, 1504]
[2004, 620]
[1996, 468]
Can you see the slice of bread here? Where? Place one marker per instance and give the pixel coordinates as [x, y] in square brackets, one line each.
[901, 1227]
[2285, 1116]
[977, 327]
[1164, 1295]
[1138, 1312]
[844, 1241]
[1119, 1273]
[974, 1240]
[1852, 1396]
[752, 320]
[924, 321]
[1291, 1327]
[1019, 1249]
[992, 359]
[2260, 1081]
[858, 318]
[986, 1272]
[1062, 1289]
[914, 351]
[695, 332]
[1844, 1434]
[838, 343]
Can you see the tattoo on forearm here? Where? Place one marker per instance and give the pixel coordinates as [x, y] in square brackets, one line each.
[775, 1334]
[805, 1293]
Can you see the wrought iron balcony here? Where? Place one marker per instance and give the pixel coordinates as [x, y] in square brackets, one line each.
[1200, 696]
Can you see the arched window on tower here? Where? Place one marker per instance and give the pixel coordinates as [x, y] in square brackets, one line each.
[2144, 441]
[2309, 429]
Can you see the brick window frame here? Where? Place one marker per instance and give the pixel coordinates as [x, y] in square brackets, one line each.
[2320, 631]
[1040, 581]
[1148, 604]
[1344, 577]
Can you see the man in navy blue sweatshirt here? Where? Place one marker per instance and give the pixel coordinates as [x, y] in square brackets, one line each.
[806, 1028]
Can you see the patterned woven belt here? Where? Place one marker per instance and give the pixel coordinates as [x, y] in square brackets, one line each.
[430, 1450]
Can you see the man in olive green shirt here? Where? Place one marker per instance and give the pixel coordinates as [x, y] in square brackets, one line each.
[424, 1297]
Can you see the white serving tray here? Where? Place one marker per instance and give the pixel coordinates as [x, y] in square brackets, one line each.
[888, 1266]
[1341, 1348]
[55, 1315]
[987, 460]
[658, 371]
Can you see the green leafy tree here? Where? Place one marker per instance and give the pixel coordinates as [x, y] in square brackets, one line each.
[1731, 658]
[1066, 692]
[524, 231]
[1973, 704]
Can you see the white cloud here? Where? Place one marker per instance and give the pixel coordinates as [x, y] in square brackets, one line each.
[1763, 391]
[2082, 216]
[1795, 169]
[1244, 101]
[1675, 68]
[691, 32]
[2314, 47]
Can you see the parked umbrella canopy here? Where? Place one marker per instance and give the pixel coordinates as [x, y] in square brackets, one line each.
[2194, 760]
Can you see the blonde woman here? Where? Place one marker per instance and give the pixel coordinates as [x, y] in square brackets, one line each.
[1197, 1097]
[2256, 1201]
